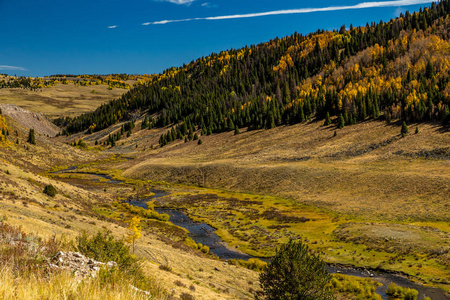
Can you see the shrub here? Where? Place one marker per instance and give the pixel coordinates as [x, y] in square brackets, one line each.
[252, 263]
[399, 292]
[104, 247]
[82, 144]
[165, 268]
[295, 273]
[186, 296]
[205, 249]
[179, 283]
[50, 190]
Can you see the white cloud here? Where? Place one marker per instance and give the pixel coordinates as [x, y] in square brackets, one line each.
[4, 67]
[299, 11]
[112, 27]
[187, 2]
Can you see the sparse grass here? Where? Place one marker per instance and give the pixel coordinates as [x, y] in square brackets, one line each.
[24, 273]
[62, 99]
[64, 286]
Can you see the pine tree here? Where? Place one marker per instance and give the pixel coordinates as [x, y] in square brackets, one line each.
[417, 130]
[236, 130]
[199, 142]
[295, 273]
[31, 137]
[404, 129]
[341, 121]
[327, 119]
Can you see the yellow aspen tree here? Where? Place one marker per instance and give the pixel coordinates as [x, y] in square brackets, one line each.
[134, 231]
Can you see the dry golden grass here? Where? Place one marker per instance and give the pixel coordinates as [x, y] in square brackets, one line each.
[61, 99]
[64, 286]
[366, 170]
[23, 203]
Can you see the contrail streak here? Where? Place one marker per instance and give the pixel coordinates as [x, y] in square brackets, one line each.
[299, 11]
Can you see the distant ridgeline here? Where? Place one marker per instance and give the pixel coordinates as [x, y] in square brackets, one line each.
[397, 70]
[36, 83]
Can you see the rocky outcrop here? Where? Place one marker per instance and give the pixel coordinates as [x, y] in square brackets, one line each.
[78, 264]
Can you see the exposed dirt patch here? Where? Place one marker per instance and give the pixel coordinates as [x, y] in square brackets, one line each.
[27, 119]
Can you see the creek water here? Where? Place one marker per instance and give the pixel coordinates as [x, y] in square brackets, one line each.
[205, 234]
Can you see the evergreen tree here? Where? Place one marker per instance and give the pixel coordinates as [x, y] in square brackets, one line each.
[199, 142]
[341, 121]
[295, 273]
[404, 129]
[327, 119]
[31, 137]
[236, 130]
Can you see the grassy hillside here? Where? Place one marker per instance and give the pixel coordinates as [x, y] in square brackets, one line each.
[78, 206]
[257, 143]
[394, 70]
[58, 99]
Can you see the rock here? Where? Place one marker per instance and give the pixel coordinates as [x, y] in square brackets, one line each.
[78, 264]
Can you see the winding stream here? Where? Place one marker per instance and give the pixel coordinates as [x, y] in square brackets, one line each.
[205, 234]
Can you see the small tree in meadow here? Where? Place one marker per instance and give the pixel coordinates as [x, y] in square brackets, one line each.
[134, 231]
[404, 129]
[295, 273]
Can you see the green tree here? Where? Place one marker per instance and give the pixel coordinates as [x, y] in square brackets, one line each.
[236, 130]
[327, 119]
[31, 137]
[404, 129]
[341, 121]
[200, 142]
[295, 273]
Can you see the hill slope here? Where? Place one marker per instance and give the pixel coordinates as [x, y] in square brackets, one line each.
[397, 69]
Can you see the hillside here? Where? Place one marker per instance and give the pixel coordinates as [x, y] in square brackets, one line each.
[339, 139]
[393, 70]
[76, 208]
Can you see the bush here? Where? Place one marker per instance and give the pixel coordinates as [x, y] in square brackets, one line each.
[252, 263]
[295, 273]
[205, 249]
[165, 268]
[104, 247]
[50, 190]
[399, 292]
[186, 296]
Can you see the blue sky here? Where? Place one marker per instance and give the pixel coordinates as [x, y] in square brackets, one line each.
[45, 37]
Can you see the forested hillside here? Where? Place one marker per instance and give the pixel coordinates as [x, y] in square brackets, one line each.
[395, 70]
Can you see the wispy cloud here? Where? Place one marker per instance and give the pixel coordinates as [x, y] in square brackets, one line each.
[187, 2]
[112, 26]
[297, 11]
[12, 68]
